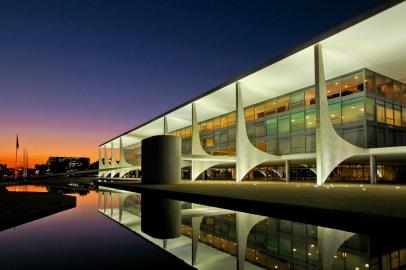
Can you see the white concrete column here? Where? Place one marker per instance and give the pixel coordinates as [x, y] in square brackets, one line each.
[287, 170]
[372, 169]
[244, 224]
[198, 166]
[111, 204]
[166, 131]
[331, 148]
[248, 156]
[329, 241]
[196, 221]
[105, 202]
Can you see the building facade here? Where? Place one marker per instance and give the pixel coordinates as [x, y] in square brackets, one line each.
[334, 109]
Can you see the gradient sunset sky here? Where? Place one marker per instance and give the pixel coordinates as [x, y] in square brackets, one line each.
[76, 73]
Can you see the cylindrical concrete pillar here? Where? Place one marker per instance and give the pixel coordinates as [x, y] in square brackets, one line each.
[160, 217]
[160, 159]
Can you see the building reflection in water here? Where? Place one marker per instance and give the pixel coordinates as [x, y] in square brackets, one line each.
[215, 238]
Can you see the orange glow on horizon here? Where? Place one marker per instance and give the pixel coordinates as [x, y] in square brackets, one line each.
[42, 143]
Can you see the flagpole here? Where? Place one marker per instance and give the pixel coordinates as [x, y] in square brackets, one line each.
[15, 167]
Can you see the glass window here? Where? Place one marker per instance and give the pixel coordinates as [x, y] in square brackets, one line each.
[310, 119]
[216, 123]
[335, 113]
[209, 142]
[283, 124]
[271, 127]
[231, 119]
[251, 131]
[203, 126]
[310, 96]
[380, 113]
[217, 141]
[389, 114]
[210, 125]
[353, 110]
[296, 100]
[297, 121]
[224, 138]
[259, 130]
[370, 82]
[282, 103]
[260, 111]
[403, 116]
[397, 92]
[249, 114]
[260, 144]
[271, 107]
[384, 87]
[397, 115]
[223, 122]
[352, 84]
[403, 94]
[188, 132]
[370, 108]
[333, 89]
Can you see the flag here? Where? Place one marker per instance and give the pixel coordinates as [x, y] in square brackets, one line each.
[17, 144]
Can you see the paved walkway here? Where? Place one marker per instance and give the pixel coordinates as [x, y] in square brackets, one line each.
[359, 208]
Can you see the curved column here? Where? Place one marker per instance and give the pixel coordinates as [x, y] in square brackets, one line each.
[198, 166]
[329, 241]
[114, 162]
[196, 221]
[101, 165]
[107, 165]
[248, 156]
[331, 148]
[244, 224]
[124, 165]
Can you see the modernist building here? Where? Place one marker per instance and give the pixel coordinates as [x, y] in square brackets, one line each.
[331, 109]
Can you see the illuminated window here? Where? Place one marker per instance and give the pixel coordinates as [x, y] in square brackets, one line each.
[297, 121]
[397, 115]
[209, 142]
[271, 107]
[310, 96]
[352, 110]
[380, 113]
[370, 109]
[333, 89]
[216, 123]
[249, 114]
[271, 127]
[260, 111]
[389, 114]
[296, 100]
[335, 113]
[283, 124]
[210, 125]
[352, 84]
[310, 119]
[231, 119]
[223, 122]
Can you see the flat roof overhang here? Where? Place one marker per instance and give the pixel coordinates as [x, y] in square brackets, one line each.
[375, 40]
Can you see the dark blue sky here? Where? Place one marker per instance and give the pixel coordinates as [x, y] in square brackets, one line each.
[116, 64]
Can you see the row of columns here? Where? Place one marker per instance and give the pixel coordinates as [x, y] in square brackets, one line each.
[331, 148]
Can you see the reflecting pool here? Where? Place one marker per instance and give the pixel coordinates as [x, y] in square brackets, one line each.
[210, 237]
[78, 238]
[117, 229]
